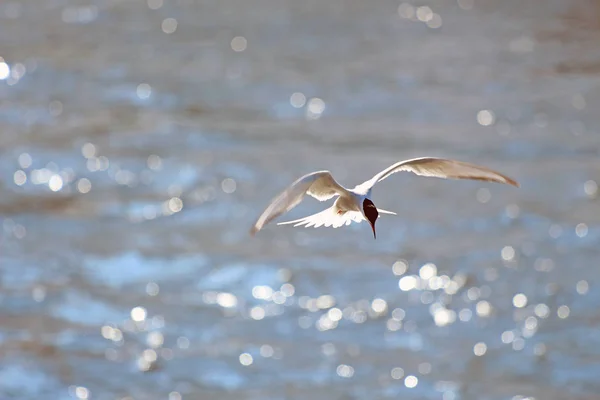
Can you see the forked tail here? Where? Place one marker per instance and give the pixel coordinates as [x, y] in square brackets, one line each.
[386, 212]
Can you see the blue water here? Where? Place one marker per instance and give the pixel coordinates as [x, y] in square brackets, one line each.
[126, 268]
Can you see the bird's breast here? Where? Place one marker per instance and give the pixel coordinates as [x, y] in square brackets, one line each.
[347, 203]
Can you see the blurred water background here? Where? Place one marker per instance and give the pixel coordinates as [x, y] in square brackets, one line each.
[140, 139]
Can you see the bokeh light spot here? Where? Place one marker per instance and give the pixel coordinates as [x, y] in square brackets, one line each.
[84, 185]
[169, 25]
[143, 91]
[519, 300]
[246, 359]
[4, 70]
[228, 185]
[345, 371]
[297, 100]
[239, 44]
[480, 349]
[411, 381]
[486, 117]
[138, 314]
[19, 177]
[55, 183]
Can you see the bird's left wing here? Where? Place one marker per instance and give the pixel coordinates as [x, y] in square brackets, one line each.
[439, 168]
[319, 185]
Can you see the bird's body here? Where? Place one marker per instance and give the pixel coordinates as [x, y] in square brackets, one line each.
[355, 205]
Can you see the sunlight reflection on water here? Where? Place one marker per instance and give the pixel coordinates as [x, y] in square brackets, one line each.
[141, 139]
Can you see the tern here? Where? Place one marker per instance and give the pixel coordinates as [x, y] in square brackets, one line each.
[355, 205]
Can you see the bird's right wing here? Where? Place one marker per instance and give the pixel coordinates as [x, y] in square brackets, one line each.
[331, 217]
[319, 185]
[439, 168]
[328, 217]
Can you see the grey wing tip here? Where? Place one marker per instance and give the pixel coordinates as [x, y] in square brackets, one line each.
[511, 181]
[498, 179]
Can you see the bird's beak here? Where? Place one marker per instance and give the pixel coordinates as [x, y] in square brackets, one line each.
[373, 227]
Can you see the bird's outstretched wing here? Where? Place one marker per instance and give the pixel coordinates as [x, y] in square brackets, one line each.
[319, 185]
[328, 217]
[439, 168]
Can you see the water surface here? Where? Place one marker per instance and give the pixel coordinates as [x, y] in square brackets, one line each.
[141, 139]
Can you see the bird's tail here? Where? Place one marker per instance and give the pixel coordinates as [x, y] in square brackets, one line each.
[385, 212]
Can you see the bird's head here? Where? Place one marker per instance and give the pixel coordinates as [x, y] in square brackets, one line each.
[371, 214]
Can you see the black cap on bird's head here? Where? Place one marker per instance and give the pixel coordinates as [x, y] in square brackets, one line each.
[371, 213]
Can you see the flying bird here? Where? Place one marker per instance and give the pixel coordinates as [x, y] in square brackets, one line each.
[355, 205]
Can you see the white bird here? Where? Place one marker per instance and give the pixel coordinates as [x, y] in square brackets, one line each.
[355, 204]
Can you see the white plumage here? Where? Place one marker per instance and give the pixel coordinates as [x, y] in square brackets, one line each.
[328, 217]
[354, 205]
